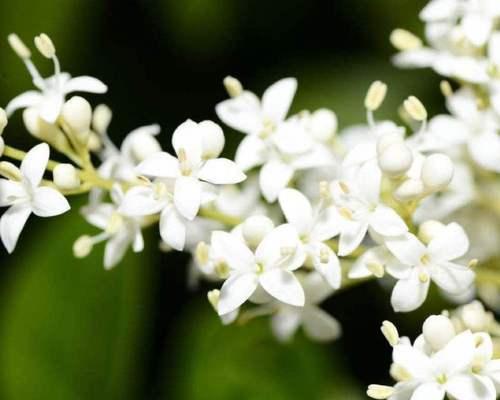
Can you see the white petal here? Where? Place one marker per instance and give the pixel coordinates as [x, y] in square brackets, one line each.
[409, 294]
[251, 152]
[173, 228]
[368, 181]
[24, 100]
[48, 202]
[485, 150]
[351, 236]
[439, 9]
[221, 171]
[187, 196]
[477, 28]
[286, 322]
[274, 176]
[10, 191]
[471, 387]
[235, 291]
[297, 209]
[450, 244]
[50, 108]
[241, 113]
[140, 201]
[319, 325]
[457, 355]
[453, 278]
[115, 249]
[85, 84]
[377, 254]
[187, 137]
[34, 163]
[284, 286]
[12, 223]
[326, 225]
[98, 215]
[329, 270]
[232, 249]
[291, 138]
[412, 360]
[407, 249]
[278, 97]
[385, 221]
[428, 391]
[161, 165]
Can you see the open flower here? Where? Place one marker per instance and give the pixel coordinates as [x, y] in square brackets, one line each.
[25, 195]
[420, 264]
[270, 267]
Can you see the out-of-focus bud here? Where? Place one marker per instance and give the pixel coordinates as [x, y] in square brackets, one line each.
[375, 95]
[395, 160]
[212, 138]
[323, 124]
[233, 86]
[77, 114]
[83, 246]
[3, 120]
[45, 45]
[437, 171]
[66, 177]
[429, 229]
[409, 190]
[438, 331]
[255, 228]
[101, 118]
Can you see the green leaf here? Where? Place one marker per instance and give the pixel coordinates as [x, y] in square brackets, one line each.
[70, 329]
[245, 363]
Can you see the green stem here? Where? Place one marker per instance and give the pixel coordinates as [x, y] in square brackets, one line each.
[215, 215]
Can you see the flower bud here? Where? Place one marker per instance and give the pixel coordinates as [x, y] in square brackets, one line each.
[409, 190]
[233, 86]
[323, 124]
[429, 229]
[403, 40]
[438, 331]
[415, 108]
[66, 176]
[375, 95]
[45, 45]
[18, 46]
[255, 228]
[77, 113]
[101, 118]
[395, 160]
[3, 120]
[437, 171]
[475, 317]
[45, 131]
[212, 138]
[142, 146]
[83, 246]
[94, 143]
[387, 139]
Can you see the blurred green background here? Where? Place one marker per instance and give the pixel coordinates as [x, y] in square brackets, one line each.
[69, 329]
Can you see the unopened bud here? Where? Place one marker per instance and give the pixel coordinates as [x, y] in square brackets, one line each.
[380, 392]
[77, 113]
[101, 118]
[83, 246]
[233, 86]
[66, 177]
[415, 108]
[375, 95]
[429, 230]
[438, 330]
[94, 143]
[409, 190]
[390, 332]
[18, 46]
[255, 228]
[45, 45]
[323, 124]
[437, 171]
[212, 139]
[3, 120]
[403, 40]
[388, 139]
[395, 160]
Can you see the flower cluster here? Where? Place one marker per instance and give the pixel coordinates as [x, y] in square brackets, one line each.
[452, 357]
[304, 209]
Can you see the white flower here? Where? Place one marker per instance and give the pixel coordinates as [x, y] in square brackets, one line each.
[420, 264]
[314, 227]
[119, 231]
[316, 323]
[270, 267]
[26, 196]
[49, 98]
[359, 208]
[190, 170]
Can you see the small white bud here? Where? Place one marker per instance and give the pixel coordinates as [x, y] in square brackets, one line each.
[437, 171]
[438, 330]
[94, 143]
[45, 45]
[409, 190]
[66, 176]
[475, 317]
[212, 138]
[143, 146]
[390, 332]
[375, 95]
[83, 246]
[387, 139]
[403, 40]
[395, 160]
[101, 118]
[415, 108]
[429, 229]
[77, 113]
[380, 392]
[255, 228]
[3, 120]
[18, 46]
[233, 86]
[323, 124]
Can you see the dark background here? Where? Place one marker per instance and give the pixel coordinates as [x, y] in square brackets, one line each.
[69, 329]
